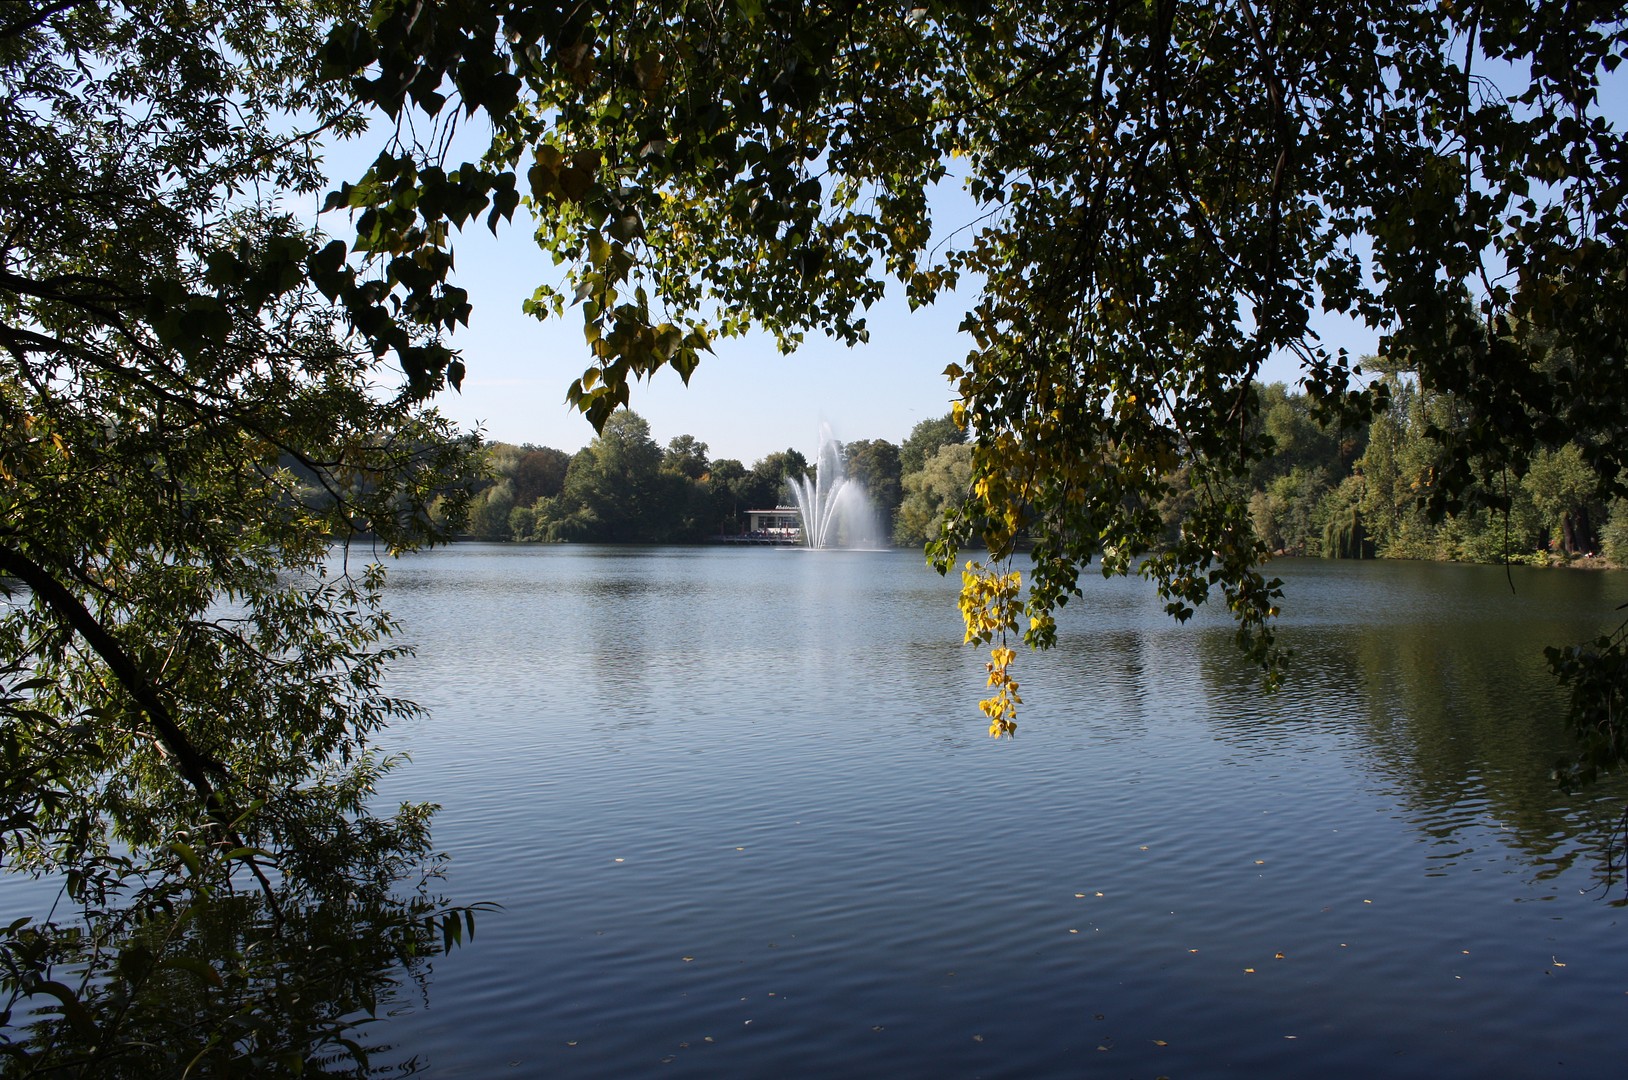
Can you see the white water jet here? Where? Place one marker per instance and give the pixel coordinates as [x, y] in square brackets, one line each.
[836, 509]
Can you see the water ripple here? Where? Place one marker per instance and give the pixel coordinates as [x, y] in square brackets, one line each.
[743, 818]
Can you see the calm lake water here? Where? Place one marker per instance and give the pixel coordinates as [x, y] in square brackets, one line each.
[744, 820]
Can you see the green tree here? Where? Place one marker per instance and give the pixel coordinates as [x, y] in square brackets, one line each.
[681, 512]
[1565, 493]
[539, 473]
[767, 486]
[876, 464]
[613, 489]
[686, 457]
[191, 674]
[726, 483]
[925, 439]
[1288, 514]
[1345, 530]
[1614, 537]
[1297, 439]
[489, 512]
[933, 492]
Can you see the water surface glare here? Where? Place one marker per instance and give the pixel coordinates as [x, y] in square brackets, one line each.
[744, 820]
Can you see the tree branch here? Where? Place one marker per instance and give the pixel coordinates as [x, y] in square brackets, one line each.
[193, 763]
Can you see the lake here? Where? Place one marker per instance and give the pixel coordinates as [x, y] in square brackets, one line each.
[744, 819]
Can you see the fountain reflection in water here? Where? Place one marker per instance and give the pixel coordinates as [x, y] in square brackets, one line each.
[836, 510]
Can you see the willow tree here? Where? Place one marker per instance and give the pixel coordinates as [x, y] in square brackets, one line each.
[190, 677]
[1166, 194]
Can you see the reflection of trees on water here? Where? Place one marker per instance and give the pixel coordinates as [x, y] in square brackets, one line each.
[1111, 677]
[163, 974]
[1460, 721]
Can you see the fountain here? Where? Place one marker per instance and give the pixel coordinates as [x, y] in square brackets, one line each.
[836, 510]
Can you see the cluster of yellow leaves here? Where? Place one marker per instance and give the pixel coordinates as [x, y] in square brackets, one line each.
[27, 442]
[1004, 487]
[1002, 707]
[990, 606]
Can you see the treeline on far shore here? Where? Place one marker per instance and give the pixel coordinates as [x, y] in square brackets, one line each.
[1348, 494]
[624, 487]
